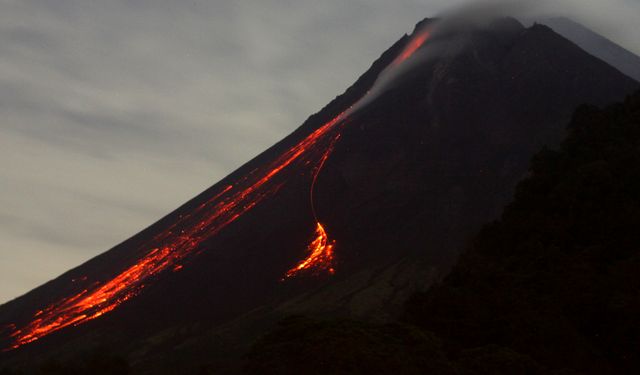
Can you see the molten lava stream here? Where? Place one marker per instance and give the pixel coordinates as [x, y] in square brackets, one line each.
[412, 47]
[320, 258]
[320, 250]
[169, 249]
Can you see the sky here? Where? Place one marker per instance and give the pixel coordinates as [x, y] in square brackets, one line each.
[114, 113]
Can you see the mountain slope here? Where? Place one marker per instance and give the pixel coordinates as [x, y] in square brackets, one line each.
[398, 183]
[597, 45]
[550, 288]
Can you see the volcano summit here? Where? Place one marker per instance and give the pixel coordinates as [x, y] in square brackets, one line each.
[369, 200]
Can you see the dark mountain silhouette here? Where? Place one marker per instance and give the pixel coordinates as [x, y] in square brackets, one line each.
[597, 45]
[399, 185]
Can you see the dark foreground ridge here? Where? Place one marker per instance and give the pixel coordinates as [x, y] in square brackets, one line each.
[397, 189]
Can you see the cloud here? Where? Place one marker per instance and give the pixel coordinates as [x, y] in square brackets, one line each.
[614, 19]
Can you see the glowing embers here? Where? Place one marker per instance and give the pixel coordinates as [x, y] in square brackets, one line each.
[320, 257]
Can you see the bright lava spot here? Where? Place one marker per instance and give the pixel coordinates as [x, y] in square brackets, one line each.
[320, 255]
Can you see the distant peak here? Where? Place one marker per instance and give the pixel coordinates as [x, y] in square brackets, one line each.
[507, 24]
[540, 27]
[424, 23]
[565, 20]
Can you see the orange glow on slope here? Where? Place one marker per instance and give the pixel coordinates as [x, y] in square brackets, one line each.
[321, 255]
[320, 250]
[172, 246]
[414, 44]
[169, 249]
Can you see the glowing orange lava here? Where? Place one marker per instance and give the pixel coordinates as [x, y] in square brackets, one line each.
[172, 246]
[320, 257]
[169, 249]
[414, 44]
[320, 251]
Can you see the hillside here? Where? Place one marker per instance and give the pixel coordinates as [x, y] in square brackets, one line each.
[346, 217]
[597, 45]
[551, 287]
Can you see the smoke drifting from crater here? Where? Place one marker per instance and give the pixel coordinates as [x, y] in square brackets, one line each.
[431, 40]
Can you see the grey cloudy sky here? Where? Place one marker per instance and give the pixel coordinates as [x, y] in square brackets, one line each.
[113, 113]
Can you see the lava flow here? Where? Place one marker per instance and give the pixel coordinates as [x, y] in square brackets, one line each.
[168, 250]
[172, 246]
[415, 43]
[320, 250]
[321, 257]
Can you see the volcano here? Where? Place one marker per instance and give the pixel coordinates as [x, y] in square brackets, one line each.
[369, 200]
[597, 45]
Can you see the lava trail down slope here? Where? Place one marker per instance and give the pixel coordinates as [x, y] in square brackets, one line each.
[369, 200]
[169, 250]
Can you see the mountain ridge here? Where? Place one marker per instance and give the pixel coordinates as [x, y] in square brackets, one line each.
[612, 53]
[411, 169]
